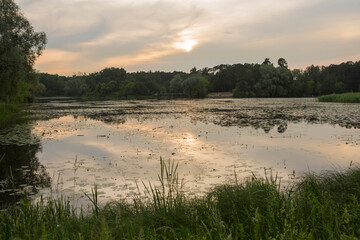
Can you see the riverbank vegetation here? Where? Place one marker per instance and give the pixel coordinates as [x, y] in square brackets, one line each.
[20, 46]
[324, 206]
[341, 98]
[10, 114]
[243, 80]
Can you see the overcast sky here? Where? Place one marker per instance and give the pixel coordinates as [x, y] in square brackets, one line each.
[141, 35]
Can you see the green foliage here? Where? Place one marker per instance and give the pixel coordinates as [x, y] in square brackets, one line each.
[76, 86]
[104, 89]
[20, 45]
[225, 78]
[324, 206]
[274, 82]
[282, 63]
[54, 84]
[10, 114]
[196, 86]
[267, 62]
[244, 80]
[339, 87]
[342, 98]
[176, 84]
[111, 74]
[127, 88]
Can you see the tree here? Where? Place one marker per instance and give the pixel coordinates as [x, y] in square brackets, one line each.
[266, 61]
[20, 46]
[54, 84]
[193, 70]
[339, 87]
[274, 82]
[196, 86]
[76, 86]
[176, 84]
[126, 88]
[282, 63]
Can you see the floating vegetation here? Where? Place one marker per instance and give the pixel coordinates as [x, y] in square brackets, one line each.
[119, 141]
[257, 113]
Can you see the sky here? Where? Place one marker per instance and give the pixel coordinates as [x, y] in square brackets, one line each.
[85, 36]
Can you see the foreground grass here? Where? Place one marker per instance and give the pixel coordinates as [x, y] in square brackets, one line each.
[322, 206]
[9, 114]
[351, 97]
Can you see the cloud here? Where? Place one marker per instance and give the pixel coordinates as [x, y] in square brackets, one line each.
[170, 34]
[58, 61]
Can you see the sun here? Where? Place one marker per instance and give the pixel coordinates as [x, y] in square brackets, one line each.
[186, 45]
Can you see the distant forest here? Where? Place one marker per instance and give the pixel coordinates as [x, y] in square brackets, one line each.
[243, 80]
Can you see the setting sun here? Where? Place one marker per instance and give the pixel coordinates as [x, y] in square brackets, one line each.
[186, 45]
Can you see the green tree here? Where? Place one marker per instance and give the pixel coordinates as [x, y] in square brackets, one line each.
[245, 82]
[176, 84]
[20, 46]
[104, 89]
[274, 82]
[126, 88]
[54, 84]
[196, 86]
[267, 61]
[193, 70]
[76, 86]
[282, 63]
[313, 73]
[339, 87]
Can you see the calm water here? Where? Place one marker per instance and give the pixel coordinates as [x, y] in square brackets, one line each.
[69, 146]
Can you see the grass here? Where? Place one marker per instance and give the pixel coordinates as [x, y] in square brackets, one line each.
[351, 97]
[324, 206]
[9, 114]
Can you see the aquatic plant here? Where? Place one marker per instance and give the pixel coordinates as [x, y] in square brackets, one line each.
[351, 97]
[322, 206]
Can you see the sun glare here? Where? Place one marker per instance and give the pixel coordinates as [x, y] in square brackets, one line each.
[186, 45]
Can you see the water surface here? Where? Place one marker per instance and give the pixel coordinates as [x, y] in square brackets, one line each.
[117, 144]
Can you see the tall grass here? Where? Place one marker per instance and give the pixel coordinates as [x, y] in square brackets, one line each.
[351, 97]
[9, 114]
[323, 206]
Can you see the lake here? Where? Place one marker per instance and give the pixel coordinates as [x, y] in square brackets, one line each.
[69, 145]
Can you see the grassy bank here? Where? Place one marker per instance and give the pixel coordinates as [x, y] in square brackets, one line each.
[325, 206]
[9, 114]
[352, 97]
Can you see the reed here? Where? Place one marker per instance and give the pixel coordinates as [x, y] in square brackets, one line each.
[351, 97]
[319, 206]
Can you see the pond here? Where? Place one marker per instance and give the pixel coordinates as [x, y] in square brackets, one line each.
[69, 145]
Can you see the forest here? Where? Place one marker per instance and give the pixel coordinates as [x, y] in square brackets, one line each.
[243, 80]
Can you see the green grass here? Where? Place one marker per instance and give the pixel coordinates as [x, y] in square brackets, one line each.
[324, 206]
[351, 97]
[9, 114]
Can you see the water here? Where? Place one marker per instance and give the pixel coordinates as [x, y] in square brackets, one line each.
[69, 145]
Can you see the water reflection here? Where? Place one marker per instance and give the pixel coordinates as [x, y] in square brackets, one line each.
[116, 156]
[116, 144]
[257, 113]
[20, 170]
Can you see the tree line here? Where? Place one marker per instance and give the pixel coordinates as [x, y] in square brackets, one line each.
[243, 80]
[21, 45]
